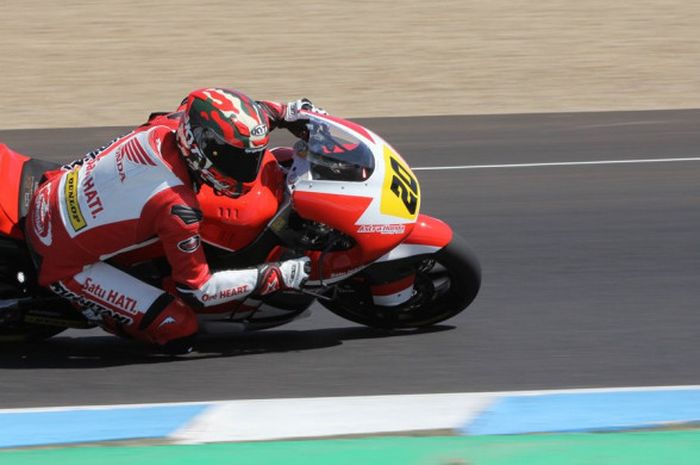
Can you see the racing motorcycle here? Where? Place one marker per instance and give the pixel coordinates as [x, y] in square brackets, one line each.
[343, 197]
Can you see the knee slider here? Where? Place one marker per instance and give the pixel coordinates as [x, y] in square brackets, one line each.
[169, 319]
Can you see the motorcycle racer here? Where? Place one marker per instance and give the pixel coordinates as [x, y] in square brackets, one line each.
[140, 189]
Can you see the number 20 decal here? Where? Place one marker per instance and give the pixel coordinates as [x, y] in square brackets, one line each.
[404, 186]
[400, 189]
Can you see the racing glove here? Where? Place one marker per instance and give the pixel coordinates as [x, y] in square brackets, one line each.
[293, 110]
[290, 274]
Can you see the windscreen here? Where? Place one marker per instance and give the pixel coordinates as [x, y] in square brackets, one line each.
[336, 155]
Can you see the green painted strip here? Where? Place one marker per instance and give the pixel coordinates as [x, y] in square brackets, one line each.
[642, 448]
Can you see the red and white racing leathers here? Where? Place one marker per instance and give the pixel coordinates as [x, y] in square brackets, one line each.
[135, 191]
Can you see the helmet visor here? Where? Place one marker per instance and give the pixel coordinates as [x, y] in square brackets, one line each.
[237, 163]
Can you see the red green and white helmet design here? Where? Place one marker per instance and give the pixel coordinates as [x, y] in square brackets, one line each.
[223, 135]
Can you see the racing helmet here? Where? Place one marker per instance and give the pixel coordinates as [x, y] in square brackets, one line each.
[222, 136]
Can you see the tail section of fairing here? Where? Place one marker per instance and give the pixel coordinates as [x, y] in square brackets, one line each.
[11, 164]
[19, 178]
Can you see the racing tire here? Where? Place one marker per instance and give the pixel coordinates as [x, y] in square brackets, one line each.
[28, 332]
[14, 259]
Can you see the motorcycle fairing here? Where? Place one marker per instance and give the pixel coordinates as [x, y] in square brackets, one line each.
[233, 223]
[11, 164]
[428, 236]
[379, 212]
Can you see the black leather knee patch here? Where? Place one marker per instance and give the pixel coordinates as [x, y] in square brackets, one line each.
[156, 308]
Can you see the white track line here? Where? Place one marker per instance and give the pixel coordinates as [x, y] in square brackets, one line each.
[534, 392]
[568, 163]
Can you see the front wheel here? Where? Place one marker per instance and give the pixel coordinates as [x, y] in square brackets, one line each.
[446, 283]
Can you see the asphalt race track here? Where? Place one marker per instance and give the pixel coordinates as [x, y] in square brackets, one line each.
[591, 277]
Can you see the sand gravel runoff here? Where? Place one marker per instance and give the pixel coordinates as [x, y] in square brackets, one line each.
[96, 63]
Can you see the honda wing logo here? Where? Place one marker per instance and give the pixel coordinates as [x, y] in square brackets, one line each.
[136, 154]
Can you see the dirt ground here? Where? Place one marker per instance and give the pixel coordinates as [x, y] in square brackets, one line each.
[96, 63]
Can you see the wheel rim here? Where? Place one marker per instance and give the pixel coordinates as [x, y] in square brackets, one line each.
[432, 288]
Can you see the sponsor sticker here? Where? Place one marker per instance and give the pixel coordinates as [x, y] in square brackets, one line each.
[226, 293]
[382, 229]
[92, 310]
[110, 296]
[92, 196]
[75, 215]
[259, 130]
[233, 291]
[119, 159]
[42, 216]
[190, 244]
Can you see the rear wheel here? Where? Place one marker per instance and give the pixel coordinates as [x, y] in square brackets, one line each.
[27, 332]
[16, 278]
[446, 283]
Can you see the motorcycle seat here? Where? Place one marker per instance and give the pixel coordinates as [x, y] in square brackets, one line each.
[32, 177]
